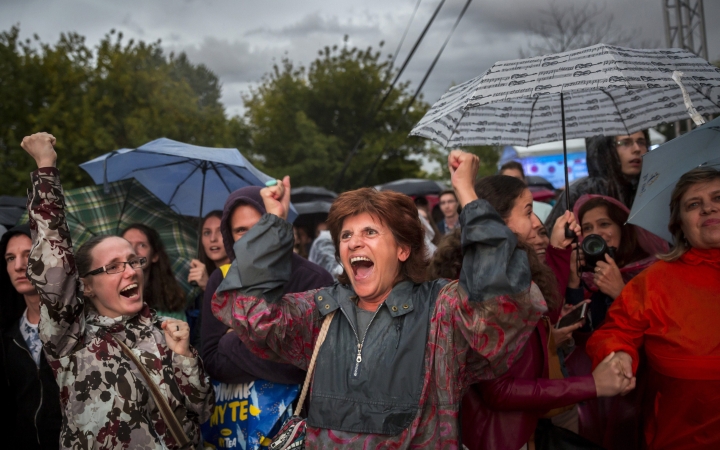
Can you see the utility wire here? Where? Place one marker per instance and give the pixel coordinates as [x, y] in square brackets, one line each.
[420, 87]
[377, 109]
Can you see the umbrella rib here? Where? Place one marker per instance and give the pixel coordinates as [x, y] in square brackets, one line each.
[532, 111]
[616, 109]
[465, 111]
[703, 94]
[185, 161]
[180, 184]
[220, 175]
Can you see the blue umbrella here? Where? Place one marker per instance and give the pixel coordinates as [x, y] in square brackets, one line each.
[663, 167]
[190, 179]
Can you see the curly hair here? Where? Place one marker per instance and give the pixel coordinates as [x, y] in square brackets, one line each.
[448, 258]
[501, 191]
[397, 212]
[162, 291]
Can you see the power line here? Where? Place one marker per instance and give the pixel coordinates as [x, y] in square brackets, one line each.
[371, 116]
[422, 84]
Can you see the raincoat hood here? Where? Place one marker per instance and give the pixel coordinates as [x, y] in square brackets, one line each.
[249, 195]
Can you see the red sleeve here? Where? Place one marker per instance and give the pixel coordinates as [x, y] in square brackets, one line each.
[559, 261]
[625, 324]
[511, 394]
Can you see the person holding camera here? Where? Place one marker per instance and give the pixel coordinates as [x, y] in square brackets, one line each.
[610, 253]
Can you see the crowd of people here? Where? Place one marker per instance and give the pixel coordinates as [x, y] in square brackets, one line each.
[489, 328]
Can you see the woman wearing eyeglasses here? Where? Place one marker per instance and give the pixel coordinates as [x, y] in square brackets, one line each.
[614, 165]
[127, 379]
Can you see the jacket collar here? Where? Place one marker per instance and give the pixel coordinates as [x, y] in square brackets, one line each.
[399, 302]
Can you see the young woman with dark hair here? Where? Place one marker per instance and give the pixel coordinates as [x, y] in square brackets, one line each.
[162, 291]
[503, 413]
[211, 252]
[614, 165]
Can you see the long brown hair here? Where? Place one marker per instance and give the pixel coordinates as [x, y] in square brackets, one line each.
[162, 291]
[629, 250]
[397, 212]
[695, 176]
[502, 192]
[202, 256]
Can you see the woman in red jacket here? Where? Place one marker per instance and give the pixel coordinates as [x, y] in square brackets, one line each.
[671, 310]
[503, 413]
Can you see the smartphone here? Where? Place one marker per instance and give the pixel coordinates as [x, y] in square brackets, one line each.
[575, 316]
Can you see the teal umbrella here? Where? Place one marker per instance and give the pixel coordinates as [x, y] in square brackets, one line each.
[663, 167]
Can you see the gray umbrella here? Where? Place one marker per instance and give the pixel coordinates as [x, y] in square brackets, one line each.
[413, 186]
[663, 167]
[599, 90]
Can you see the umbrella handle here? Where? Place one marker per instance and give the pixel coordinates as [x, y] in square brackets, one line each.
[569, 234]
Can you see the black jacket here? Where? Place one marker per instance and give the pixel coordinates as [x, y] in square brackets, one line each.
[33, 396]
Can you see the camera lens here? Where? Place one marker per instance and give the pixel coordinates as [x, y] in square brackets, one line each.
[593, 245]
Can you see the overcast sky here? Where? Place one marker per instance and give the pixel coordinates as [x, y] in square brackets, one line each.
[239, 40]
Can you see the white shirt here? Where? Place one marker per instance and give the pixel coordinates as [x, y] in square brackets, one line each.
[31, 336]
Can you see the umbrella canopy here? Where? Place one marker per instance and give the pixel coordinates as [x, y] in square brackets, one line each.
[605, 90]
[536, 181]
[92, 212]
[310, 214]
[11, 209]
[311, 193]
[663, 167]
[190, 179]
[413, 186]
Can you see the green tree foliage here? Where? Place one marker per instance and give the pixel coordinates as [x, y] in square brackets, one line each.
[305, 121]
[118, 94]
[489, 156]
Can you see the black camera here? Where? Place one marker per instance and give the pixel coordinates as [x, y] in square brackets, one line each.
[595, 248]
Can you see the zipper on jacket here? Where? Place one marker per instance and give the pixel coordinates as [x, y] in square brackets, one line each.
[37, 431]
[358, 358]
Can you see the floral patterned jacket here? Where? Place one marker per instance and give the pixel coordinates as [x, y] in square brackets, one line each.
[105, 401]
[401, 387]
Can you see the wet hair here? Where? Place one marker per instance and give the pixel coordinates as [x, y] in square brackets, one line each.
[162, 291]
[695, 176]
[202, 256]
[607, 166]
[397, 212]
[448, 258]
[629, 249]
[502, 191]
[512, 165]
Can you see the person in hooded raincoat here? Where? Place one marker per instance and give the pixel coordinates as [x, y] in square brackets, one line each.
[614, 165]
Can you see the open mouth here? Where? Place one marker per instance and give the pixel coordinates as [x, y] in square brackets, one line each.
[130, 291]
[636, 162]
[362, 267]
[214, 249]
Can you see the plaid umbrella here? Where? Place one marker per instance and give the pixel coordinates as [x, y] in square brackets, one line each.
[92, 212]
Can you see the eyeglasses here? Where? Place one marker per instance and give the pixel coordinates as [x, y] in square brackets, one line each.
[118, 267]
[630, 142]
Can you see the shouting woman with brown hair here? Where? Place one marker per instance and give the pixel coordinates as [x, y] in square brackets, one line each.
[400, 351]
